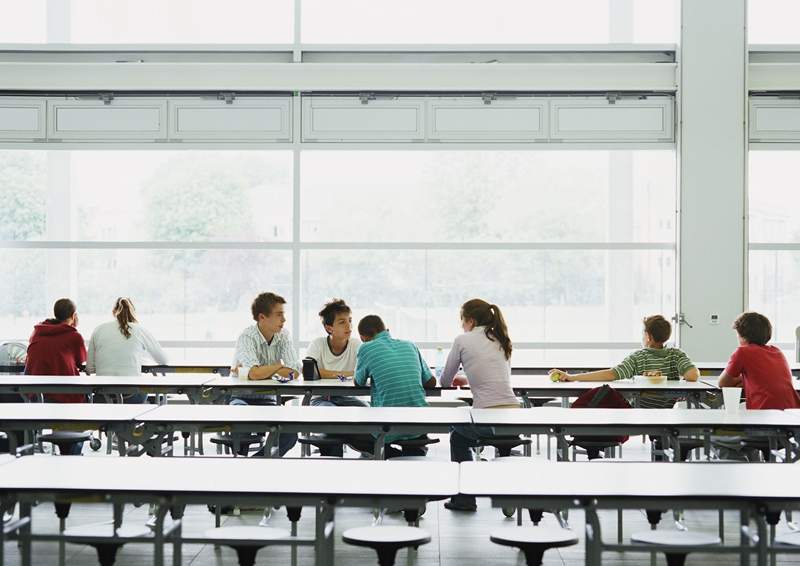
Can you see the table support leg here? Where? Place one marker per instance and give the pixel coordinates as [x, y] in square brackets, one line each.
[744, 537]
[594, 542]
[25, 533]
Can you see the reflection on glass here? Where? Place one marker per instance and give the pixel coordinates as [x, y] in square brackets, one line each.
[546, 296]
[488, 196]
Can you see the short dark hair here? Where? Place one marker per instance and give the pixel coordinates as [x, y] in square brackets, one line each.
[753, 327]
[63, 309]
[264, 303]
[332, 309]
[658, 328]
[370, 325]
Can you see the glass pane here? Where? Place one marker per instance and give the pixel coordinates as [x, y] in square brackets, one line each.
[488, 196]
[23, 21]
[179, 196]
[773, 21]
[774, 291]
[148, 21]
[552, 296]
[179, 295]
[474, 21]
[774, 200]
[23, 194]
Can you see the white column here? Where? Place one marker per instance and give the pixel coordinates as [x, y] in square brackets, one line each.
[619, 271]
[713, 57]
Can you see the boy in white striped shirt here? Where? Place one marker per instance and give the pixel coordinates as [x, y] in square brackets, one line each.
[263, 350]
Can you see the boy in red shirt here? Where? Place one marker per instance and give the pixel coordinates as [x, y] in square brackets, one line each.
[57, 348]
[761, 370]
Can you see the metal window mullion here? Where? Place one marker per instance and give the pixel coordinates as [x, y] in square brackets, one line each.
[297, 57]
[296, 245]
[774, 247]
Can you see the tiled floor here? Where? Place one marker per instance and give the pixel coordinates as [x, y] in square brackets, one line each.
[458, 539]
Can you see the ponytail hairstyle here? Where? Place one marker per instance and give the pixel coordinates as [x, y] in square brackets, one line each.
[485, 314]
[125, 315]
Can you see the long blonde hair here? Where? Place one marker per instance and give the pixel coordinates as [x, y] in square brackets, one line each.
[125, 315]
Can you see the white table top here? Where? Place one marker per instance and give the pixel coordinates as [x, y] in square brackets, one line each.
[543, 382]
[145, 380]
[713, 381]
[267, 384]
[71, 412]
[553, 416]
[231, 476]
[631, 479]
[211, 414]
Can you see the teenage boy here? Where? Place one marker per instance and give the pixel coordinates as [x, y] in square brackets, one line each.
[265, 349]
[336, 352]
[399, 377]
[761, 370]
[57, 348]
[654, 357]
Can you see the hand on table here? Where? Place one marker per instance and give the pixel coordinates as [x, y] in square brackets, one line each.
[559, 375]
[460, 381]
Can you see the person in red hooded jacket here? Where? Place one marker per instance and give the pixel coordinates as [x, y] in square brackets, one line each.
[57, 348]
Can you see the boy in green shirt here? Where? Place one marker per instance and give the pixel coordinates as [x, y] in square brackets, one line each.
[653, 358]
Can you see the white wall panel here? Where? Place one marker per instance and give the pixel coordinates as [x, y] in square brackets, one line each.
[473, 119]
[244, 119]
[122, 119]
[22, 118]
[773, 119]
[597, 119]
[348, 119]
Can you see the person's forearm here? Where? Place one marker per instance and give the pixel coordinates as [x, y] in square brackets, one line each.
[600, 375]
[329, 373]
[265, 372]
[726, 380]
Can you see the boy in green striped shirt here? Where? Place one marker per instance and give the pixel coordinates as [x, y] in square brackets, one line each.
[398, 372]
[654, 357]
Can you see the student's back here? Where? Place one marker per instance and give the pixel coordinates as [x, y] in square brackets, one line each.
[56, 348]
[766, 377]
[671, 362]
[397, 371]
[112, 353]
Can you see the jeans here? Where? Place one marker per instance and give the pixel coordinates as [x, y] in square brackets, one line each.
[462, 439]
[335, 401]
[286, 441]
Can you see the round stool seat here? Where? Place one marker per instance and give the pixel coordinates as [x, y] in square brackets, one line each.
[675, 538]
[386, 541]
[519, 536]
[245, 540]
[65, 436]
[106, 547]
[534, 542]
[374, 537]
[789, 539]
[246, 534]
[107, 530]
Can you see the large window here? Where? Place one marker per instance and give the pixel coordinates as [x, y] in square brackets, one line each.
[339, 21]
[474, 21]
[774, 230]
[576, 246]
[773, 21]
[147, 21]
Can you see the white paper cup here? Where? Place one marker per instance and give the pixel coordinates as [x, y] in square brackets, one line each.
[732, 397]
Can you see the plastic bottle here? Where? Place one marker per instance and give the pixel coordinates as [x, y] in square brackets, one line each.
[439, 363]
